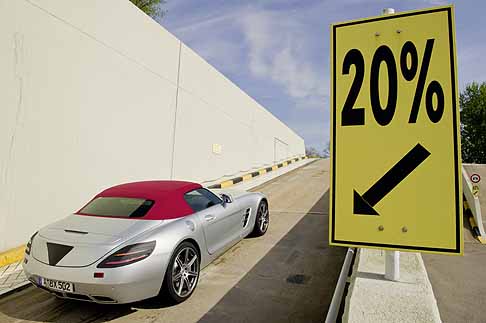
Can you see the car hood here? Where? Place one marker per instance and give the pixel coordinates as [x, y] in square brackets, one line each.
[79, 240]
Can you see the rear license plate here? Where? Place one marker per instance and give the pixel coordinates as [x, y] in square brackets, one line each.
[57, 285]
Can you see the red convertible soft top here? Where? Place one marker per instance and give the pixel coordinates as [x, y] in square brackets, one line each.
[167, 195]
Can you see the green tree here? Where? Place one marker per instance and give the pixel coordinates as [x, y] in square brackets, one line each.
[473, 123]
[311, 152]
[326, 152]
[151, 7]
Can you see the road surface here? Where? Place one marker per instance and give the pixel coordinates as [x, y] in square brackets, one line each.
[459, 283]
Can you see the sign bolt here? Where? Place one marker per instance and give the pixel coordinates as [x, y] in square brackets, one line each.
[404, 229]
[381, 228]
[377, 34]
[399, 31]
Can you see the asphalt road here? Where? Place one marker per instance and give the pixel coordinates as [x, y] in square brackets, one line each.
[288, 275]
[459, 283]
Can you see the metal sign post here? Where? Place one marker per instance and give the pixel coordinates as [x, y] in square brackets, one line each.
[392, 258]
[392, 265]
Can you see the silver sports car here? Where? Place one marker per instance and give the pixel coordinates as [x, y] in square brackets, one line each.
[139, 240]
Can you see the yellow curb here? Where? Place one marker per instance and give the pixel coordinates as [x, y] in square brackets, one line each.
[482, 239]
[261, 172]
[226, 183]
[11, 256]
[472, 222]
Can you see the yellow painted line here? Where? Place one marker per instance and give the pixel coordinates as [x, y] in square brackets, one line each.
[13, 255]
[226, 183]
[261, 172]
[472, 222]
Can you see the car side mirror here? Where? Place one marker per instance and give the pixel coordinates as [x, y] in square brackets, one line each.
[226, 199]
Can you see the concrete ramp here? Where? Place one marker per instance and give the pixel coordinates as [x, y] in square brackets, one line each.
[476, 202]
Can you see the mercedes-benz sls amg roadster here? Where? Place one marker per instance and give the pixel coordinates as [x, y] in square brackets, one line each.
[140, 240]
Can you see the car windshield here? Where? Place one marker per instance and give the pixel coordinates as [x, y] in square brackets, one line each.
[118, 207]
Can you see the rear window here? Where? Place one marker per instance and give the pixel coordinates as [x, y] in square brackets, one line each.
[118, 207]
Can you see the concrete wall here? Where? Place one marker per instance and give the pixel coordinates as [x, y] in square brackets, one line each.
[95, 93]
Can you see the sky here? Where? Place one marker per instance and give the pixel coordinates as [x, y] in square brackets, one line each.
[277, 51]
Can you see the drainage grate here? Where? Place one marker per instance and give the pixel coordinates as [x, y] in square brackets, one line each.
[298, 279]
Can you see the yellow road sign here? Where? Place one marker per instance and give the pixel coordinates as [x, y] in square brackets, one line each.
[395, 150]
[475, 190]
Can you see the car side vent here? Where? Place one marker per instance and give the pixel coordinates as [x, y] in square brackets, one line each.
[246, 217]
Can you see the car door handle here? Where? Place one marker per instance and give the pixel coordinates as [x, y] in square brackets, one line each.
[209, 217]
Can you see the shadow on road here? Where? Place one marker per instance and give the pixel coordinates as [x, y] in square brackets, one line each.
[32, 304]
[294, 282]
[459, 283]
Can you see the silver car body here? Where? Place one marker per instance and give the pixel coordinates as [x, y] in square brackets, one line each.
[213, 230]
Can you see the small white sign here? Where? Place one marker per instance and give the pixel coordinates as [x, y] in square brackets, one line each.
[217, 148]
[475, 178]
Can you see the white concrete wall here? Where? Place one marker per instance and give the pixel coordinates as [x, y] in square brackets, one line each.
[88, 100]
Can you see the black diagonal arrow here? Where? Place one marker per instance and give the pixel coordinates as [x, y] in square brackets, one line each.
[363, 204]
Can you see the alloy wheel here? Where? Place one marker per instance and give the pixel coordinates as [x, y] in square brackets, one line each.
[263, 217]
[185, 271]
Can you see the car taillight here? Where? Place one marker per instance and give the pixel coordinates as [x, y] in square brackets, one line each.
[28, 247]
[128, 255]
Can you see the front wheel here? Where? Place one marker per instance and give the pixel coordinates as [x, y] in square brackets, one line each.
[182, 273]
[262, 219]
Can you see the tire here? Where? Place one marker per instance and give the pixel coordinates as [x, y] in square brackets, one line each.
[183, 268]
[262, 219]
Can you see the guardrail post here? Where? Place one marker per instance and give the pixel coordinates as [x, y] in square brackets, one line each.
[392, 265]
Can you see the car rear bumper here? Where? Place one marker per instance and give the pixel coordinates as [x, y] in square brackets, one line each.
[126, 284]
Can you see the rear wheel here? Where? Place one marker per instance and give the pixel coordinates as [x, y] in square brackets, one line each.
[262, 219]
[182, 273]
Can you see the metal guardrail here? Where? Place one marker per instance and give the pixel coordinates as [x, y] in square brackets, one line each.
[337, 297]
